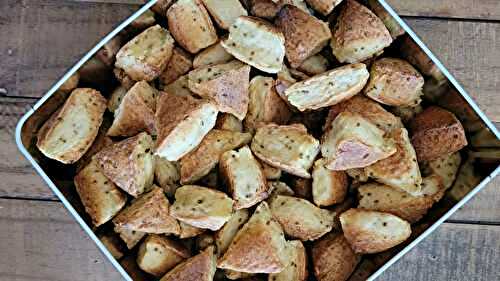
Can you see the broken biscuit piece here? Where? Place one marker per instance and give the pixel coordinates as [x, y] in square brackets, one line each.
[289, 148]
[328, 88]
[401, 169]
[333, 258]
[191, 26]
[395, 82]
[100, 197]
[70, 131]
[305, 35]
[136, 111]
[436, 132]
[369, 109]
[384, 198]
[146, 56]
[323, 7]
[199, 162]
[179, 64]
[200, 268]
[257, 43]
[370, 232]
[358, 34]
[158, 254]
[202, 207]
[226, 85]
[225, 12]
[354, 142]
[265, 104]
[258, 247]
[129, 163]
[148, 213]
[244, 176]
[300, 218]
[297, 268]
[328, 187]
[181, 124]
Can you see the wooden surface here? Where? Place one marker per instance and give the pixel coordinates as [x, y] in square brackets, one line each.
[42, 39]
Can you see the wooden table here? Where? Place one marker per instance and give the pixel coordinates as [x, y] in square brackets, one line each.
[41, 39]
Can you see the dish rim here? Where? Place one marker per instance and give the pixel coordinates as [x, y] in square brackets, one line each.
[126, 22]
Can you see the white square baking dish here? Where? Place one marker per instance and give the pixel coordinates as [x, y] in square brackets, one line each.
[41, 110]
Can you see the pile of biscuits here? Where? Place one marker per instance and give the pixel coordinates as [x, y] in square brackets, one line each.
[259, 140]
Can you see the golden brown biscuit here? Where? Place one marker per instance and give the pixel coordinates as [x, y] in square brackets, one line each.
[100, 197]
[358, 34]
[436, 132]
[289, 148]
[305, 35]
[394, 82]
[244, 177]
[148, 213]
[129, 163]
[190, 24]
[181, 123]
[147, 55]
[371, 232]
[70, 131]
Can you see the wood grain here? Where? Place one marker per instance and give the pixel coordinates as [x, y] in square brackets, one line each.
[483, 208]
[470, 51]
[42, 39]
[19, 179]
[465, 9]
[453, 252]
[41, 241]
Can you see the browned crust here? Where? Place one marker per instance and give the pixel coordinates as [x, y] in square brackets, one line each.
[304, 34]
[100, 197]
[292, 167]
[455, 103]
[336, 189]
[167, 253]
[364, 239]
[149, 213]
[400, 165]
[324, 7]
[304, 220]
[229, 91]
[134, 114]
[123, 78]
[253, 249]
[96, 105]
[117, 164]
[107, 53]
[179, 64]
[411, 210]
[394, 82]
[368, 109]
[193, 35]
[172, 110]
[333, 258]
[356, 25]
[264, 8]
[161, 6]
[230, 177]
[412, 52]
[205, 156]
[145, 67]
[198, 268]
[436, 132]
